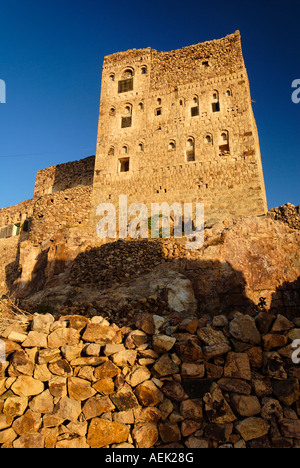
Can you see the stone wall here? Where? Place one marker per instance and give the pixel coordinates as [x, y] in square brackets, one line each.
[191, 134]
[60, 210]
[62, 200]
[14, 228]
[168, 382]
[62, 196]
[9, 265]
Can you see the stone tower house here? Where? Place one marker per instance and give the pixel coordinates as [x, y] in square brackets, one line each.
[179, 127]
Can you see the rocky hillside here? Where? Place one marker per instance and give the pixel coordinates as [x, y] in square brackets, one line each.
[242, 261]
[149, 344]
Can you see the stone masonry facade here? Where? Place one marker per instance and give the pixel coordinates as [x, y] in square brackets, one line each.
[179, 127]
[62, 196]
[174, 127]
[62, 200]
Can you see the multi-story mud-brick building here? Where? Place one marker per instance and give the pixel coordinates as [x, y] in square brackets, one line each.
[179, 127]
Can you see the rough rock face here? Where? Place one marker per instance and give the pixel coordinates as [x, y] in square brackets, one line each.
[249, 259]
[288, 213]
[173, 381]
[172, 287]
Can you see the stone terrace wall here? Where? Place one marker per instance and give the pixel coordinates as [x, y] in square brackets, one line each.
[241, 261]
[168, 382]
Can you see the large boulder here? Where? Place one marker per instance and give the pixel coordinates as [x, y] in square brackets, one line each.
[162, 283]
[243, 260]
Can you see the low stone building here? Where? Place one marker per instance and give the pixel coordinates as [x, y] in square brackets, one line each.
[62, 199]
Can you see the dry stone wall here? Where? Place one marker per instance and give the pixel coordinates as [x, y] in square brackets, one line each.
[168, 382]
[60, 210]
[288, 213]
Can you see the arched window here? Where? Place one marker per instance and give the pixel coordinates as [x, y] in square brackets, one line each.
[112, 111]
[195, 107]
[125, 149]
[112, 77]
[228, 92]
[141, 147]
[215, 101]
[144, 70]
[159, 101]
[190, 149]
[224, 143]
[208, 139]
[224, 136]
[111, 151]
[127, 73]
[141, 106]
[172, 145]
[126, 119]
[126, 83]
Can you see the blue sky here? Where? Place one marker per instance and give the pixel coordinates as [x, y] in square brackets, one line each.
[51, 54]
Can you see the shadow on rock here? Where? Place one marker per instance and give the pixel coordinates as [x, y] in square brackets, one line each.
[121, 279]
[286, 299]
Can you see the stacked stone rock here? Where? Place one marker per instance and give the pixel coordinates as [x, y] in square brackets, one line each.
[288, 213]
[119, 261]
[167, 382]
